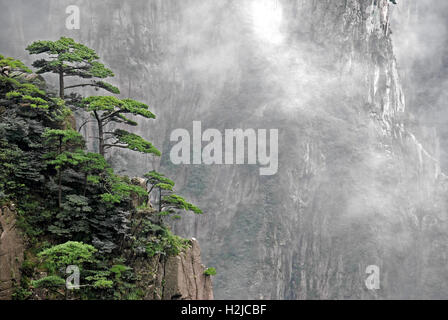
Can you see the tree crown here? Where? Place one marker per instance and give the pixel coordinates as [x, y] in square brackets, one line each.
[114, 109]
[70, 58]
[157, 179]
[69, 137]
[134, 142]
[11, 64]
[74, 58]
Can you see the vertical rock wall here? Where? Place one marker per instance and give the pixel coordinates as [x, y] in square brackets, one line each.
[355, 186]
[11, 253]
[178, 277]
[184, 276]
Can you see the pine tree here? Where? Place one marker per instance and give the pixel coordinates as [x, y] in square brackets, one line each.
[106, 110]
[169, 202]
[93, 165]
[8, 65]
[18, 89]
[67, 58]
[61, 144]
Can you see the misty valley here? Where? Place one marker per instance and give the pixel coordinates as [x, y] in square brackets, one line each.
[227, 149]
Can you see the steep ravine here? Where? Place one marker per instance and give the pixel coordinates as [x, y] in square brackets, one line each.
[355, 187]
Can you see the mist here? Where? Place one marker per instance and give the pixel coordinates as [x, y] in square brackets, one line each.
[420, 40]
[361, 118]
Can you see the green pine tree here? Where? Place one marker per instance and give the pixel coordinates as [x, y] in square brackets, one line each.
[93, 165]
[61, 144]
[67, 58]
[13, 80]
[106, 110]
[169, 203]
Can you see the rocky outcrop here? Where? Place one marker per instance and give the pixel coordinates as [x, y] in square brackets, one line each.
[184, 276]
[11, 253]
[178, 277]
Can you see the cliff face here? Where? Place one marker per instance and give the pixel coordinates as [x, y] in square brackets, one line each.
[11, 253]
[176, 277]
[355, 186]
[172, 277]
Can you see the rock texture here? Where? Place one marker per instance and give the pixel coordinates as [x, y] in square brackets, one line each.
[178, 277]
[11, 253]
[356, 186]
[184, 276]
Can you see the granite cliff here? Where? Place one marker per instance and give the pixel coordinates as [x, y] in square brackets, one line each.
[359, 180]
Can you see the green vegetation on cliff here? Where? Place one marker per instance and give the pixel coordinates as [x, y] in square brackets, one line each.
[72, 208]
